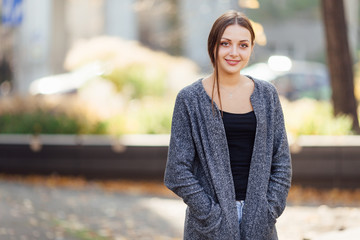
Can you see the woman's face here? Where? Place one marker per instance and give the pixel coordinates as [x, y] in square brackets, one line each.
[234, 50]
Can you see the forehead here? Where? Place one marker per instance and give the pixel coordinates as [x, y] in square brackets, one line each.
[236, 32]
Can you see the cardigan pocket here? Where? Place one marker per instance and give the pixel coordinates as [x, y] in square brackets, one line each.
[263, 226]
[271, 230]
[271, 215]
[207, 225]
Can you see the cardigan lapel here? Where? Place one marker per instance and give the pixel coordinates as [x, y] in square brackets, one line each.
[255, 173]
[255, 187]
[218, 161]
[220, 170]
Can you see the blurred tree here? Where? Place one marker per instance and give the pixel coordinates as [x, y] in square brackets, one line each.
[339, 60]
[5, 70]
[159, 26]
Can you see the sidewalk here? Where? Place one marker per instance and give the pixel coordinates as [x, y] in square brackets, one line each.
[39, 212]
[36, 212]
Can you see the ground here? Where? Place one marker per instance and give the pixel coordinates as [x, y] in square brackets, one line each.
[63, 208]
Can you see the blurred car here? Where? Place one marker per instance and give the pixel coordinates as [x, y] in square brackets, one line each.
[66, 83]
[294, 79]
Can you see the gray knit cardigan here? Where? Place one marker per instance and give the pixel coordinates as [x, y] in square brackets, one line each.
[198, 167]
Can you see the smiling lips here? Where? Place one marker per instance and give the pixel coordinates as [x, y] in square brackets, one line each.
[232, 62]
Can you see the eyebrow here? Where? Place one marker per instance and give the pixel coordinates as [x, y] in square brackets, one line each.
[245, 40]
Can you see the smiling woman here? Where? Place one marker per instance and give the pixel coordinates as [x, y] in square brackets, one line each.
[235, 48]
[228, 156]
[230, 45]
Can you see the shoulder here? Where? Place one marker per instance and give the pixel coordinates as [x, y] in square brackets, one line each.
[265, 89]
[190, 91]
[266, 93]
[190, 99]
[265, 86]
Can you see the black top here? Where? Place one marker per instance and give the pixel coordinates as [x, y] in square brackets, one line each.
[240, 133]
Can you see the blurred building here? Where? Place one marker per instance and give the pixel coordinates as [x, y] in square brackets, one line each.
[46, 29]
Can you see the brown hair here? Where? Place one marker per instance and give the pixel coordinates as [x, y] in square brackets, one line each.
[217, 30]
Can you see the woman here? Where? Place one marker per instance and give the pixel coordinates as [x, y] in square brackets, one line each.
[228, 156]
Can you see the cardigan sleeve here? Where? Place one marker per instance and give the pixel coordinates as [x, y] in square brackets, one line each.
[179, 176]
[280, 177]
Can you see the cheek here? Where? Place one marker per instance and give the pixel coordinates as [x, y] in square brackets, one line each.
[222, 51]
[222, 54]
[247, 53]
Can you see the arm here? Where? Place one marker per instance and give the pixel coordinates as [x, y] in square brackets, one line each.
[280, 177]
[179, 176]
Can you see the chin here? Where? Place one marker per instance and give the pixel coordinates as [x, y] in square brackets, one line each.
[233, 71]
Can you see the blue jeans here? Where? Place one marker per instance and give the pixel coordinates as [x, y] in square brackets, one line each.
[239, 206]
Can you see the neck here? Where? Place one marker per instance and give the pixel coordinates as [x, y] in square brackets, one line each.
[229, 80]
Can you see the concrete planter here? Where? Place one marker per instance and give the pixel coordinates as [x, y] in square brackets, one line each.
[327, 161]
[135, 157]
[318, 161]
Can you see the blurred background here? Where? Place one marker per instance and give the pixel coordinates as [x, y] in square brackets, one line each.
[87, 89]
[114, 59]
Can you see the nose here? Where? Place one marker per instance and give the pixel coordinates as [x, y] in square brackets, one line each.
[234, 51]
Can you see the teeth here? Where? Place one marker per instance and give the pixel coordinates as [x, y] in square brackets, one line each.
[232, 61]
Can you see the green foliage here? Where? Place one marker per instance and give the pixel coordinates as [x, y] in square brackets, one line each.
[37, 122]
[138, 81]
[155, 121]
[45, 122]
[100, 127]
[311, 117]
[116, 125]
[150, 116]
[153, 116]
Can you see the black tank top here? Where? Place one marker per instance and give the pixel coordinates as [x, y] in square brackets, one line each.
[240, 133]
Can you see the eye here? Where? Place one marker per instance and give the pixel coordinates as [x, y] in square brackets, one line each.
[225, 44]
[244, 45]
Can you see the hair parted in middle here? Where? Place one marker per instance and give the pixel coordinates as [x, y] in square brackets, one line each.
[228, 18]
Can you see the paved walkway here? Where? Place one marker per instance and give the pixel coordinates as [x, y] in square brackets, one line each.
[38, 212]
[33, 211]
